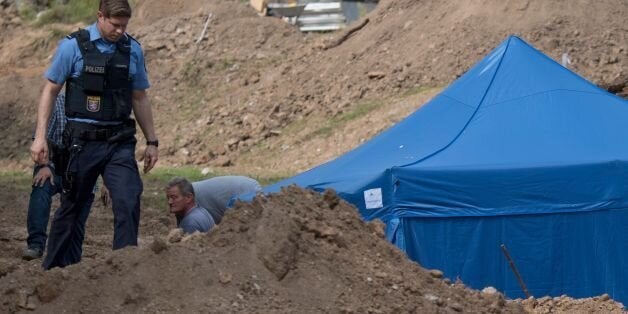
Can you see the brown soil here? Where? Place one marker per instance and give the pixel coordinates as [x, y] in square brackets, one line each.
[256, 96]
[292, 252]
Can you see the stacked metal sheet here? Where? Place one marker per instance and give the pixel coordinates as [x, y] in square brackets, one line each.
[321, 16]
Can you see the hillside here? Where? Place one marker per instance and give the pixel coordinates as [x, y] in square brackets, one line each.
[255, 96]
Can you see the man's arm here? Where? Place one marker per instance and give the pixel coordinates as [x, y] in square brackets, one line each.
[144, 115]
[39, 148]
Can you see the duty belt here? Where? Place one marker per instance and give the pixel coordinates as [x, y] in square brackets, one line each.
[92, 132]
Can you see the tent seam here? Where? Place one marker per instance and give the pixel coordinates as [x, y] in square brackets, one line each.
[544, 92]
[472, 115]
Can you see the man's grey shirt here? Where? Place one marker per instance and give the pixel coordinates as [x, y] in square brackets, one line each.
[214, 194]
[197, 219]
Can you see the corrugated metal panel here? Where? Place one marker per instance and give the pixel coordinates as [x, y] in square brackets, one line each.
[321, 16]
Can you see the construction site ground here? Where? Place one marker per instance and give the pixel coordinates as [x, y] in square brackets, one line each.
[253, 95]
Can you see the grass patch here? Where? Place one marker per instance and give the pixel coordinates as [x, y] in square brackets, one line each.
[226, 63]
[333, 124]
[360, 110]
[163, 175]
[57, 34]
[20, 182]
[418, 90]
[264, 181]
[191, 72]
[73, 11]
[17, 181]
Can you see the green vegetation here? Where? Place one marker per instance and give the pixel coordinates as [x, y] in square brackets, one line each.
[57, 33]
[17, 181]
[419, 89]
[157, 178]
[360, 110]
[226, 63]
[160, 176]
[191, 72]
[73, 11]
[61, 11]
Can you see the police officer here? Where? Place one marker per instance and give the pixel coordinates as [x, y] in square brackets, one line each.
[103, 70]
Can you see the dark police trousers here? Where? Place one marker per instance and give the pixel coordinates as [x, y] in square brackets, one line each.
[115, 162]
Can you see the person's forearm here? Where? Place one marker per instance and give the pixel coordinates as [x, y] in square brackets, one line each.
[144, 114]
[46, 103]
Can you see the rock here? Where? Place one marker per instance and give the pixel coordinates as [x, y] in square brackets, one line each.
[456, 307]
[225, 278]
[175, 235]
[436, 273]
[221, 161]
[51, 285]
[158, 245]
[5, 267]
[376, 75]
[430, 297]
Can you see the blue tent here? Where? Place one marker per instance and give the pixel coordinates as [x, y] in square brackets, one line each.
[518, 151]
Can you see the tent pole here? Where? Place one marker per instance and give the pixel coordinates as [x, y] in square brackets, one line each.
[514, 270]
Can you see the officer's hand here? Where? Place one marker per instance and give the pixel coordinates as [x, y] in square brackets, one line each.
[43, 174]
[151, 155]
[39, 151]
[105, 196]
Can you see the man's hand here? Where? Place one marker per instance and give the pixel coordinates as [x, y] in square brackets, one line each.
[151, 155]
[43, 174]
[39, 151]
[105, 196]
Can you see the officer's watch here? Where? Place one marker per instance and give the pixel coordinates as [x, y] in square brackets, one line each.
[154, 143]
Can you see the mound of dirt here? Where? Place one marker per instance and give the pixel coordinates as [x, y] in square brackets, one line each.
[292, 252]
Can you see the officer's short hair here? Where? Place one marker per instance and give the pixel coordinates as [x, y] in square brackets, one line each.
[115, 8]
[185, 187]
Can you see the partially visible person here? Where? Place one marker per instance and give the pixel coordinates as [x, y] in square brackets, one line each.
[211, 195]
[181, 201]
[214, 194]
[46, 184]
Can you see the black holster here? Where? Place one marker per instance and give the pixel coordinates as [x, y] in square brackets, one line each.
[59, 155]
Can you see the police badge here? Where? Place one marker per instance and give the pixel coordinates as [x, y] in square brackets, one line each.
[93, 103]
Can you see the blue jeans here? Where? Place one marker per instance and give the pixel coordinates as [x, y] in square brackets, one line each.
[39, 211]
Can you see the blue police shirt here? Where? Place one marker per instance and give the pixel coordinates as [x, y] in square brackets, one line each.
[68, 61]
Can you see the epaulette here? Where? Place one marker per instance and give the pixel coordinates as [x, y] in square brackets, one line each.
[83, 40]
[81, 32]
